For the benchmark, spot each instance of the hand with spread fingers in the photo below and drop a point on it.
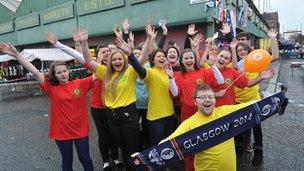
(126, 25)
(80, 34)
(151, 33)
(196, 41)
(50, 37)
(9, 49)
(117, 31)
(123, 45)
(272, 34)
(191, 29)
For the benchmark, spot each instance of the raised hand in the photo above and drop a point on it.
(126, 25)
(208, 42)
(267, 74)
(191, 29)
(131, 36)
(272, 33)
(80, 34)
(9, 49)
(225, 28)
(123, 45)
(196, 41)
(168, 70)
(165, 30)
(117, 31)
(151, 33)
(220, 93)
(233, 43)
(50, 37)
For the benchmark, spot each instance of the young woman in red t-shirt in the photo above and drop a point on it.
(69, 117)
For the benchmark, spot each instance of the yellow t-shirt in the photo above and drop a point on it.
(160, 102)
(206, 65)
(125, 90)
(219, 157)
(249, 93)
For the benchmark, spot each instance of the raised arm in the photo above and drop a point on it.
(11, 50)
(190, 32)
(141, 71)
(162, 40)
(51, 37)
(208, 44)
(149, 45)
(81, 35)
(263, 75)
(233, 45)
(274, 44)
(195, 47)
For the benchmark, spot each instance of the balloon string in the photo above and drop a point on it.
(235, 80)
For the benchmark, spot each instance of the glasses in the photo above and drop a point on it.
(211, 97)
(242, 39)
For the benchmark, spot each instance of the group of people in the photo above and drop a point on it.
(141, 94)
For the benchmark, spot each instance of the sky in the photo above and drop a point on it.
(291, 12)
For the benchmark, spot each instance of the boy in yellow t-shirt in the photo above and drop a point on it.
(221, 156)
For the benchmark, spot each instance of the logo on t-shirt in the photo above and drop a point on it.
(199, 82)
(76, 92)
(228, 81)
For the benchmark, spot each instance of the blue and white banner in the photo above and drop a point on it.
(210, 134)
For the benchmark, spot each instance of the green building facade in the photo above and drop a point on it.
(26, 27)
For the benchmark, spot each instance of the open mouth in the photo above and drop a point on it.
(161, 61)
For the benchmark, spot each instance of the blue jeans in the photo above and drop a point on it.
(82, 147)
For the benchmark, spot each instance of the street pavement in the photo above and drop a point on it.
(24, 122)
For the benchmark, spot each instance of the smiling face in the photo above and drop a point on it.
(112, 47)
(223, 58)
(159, 59)
(118, 62)
(188, 61)
(205, 101)
(61, 74)
(241, 52)
(213, 52)
(104, 53)
(136, 53)
(172, 56)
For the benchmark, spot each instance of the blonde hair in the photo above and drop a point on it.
(109, 83)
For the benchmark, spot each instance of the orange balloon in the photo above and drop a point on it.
(257, 61)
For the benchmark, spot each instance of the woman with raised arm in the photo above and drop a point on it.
(119, 96)
(98, 108)
(68, 112)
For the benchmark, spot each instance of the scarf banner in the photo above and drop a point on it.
(210, 134)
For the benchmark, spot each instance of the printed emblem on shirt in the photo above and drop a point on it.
(199, 82)
(76, 92)
(227, 81)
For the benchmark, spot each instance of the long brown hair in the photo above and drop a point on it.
(110, 83)
(51, 75)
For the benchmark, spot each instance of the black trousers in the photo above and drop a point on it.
(124, 126)
(105, 138)
(144, 132)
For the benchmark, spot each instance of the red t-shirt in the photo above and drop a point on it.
(96, 99)
(230, 74)
(187, 83)
(69, 116)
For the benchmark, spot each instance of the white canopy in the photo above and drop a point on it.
(46, 55)
(6, 57)
(11, 4)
